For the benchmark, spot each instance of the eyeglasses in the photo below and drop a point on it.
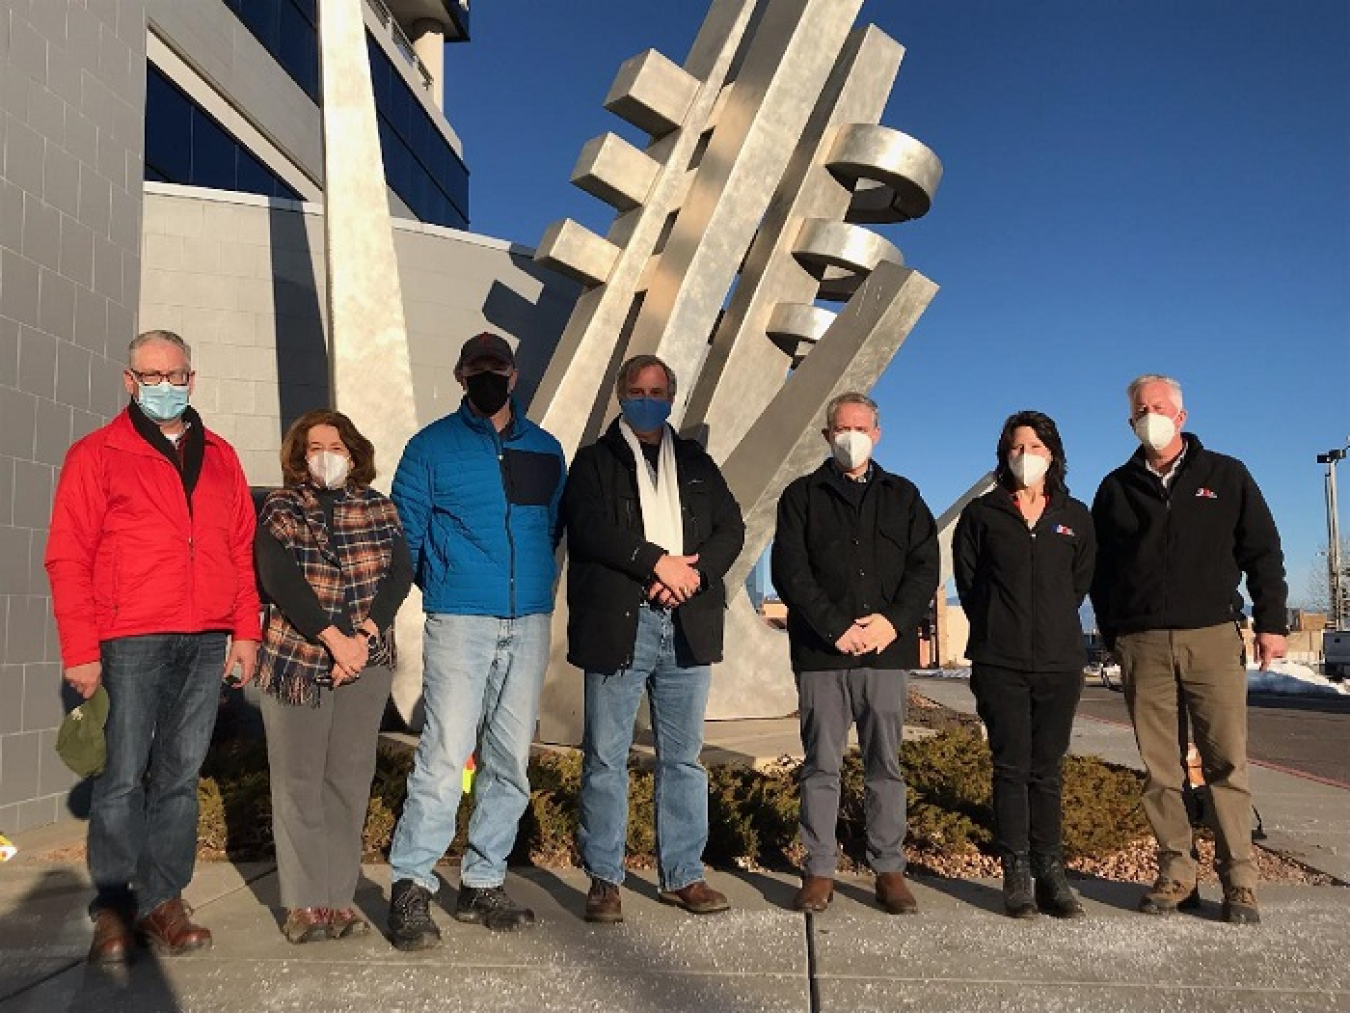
(153, 377)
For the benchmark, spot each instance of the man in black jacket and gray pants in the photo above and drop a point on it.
(651, 531)
(855, 559)
(1178, 526)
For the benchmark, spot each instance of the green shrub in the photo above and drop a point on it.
(752, 814)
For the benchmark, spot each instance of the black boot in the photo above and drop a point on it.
(1054, 896)
(1017, 897)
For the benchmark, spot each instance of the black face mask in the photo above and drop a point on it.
(487, 391)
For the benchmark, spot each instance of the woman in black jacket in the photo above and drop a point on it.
(1023, 556)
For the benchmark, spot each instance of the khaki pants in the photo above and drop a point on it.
(1201, 670)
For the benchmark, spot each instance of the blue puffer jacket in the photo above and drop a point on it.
(480, 513)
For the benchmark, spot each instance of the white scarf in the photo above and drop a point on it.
(659, 500)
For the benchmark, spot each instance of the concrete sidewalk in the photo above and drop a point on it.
(958, 954)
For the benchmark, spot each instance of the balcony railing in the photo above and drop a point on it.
(401, 42)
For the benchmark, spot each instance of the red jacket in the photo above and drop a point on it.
(126, 557)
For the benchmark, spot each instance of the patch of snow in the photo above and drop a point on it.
(1288, 678)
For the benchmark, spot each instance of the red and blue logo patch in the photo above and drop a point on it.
(1203, 493)
(1064, 529)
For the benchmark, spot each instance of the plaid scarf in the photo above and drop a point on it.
(344, 566)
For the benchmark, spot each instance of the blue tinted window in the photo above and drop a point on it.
(419, 164)
(288, 30)
(185, 144)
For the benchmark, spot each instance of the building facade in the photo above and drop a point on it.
(162, 168)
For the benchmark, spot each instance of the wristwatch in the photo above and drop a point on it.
(374, 641)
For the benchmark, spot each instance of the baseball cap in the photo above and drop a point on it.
(486, 346)
(79, 740)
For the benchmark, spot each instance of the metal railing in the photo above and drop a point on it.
(401, 42)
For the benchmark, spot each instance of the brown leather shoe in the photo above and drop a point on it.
(893, 894)
(698, 898)
(346, 921)
(815, 894)
(113, 939)
(306, 925)
(168, 929)
(603, 903)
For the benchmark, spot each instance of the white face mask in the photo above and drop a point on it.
(1155, 431)
(852, 449)
(1028, 469)
(329, 469)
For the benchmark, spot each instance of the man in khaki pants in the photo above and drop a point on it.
(1177, 528)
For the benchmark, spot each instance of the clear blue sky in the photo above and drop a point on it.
(1150, 186)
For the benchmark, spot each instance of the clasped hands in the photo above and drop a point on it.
(350, 653)
(676, 581)
(870, 634)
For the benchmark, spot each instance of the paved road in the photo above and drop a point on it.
(1307, 734)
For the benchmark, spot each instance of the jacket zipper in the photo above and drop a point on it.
(500, 448)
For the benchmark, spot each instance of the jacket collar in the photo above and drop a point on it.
(480, 424)
(1193, 450)
(1000, 498)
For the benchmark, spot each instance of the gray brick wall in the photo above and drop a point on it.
(72, 97)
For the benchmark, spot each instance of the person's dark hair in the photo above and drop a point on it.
(294, 463)
(636, 365)
(1048, 433)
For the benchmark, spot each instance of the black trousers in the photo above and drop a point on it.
(1029, 716)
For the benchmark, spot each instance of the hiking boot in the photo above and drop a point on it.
(1168, 895)
(169, 929)
(113, 941)
(1018, 901)
(410, 924)
(1054, 896)
(893, 894)
(698, 898)
(603, 903)
(305, 925)
(345, 921)
(815, 894)
(1239, 906)
(490, 907)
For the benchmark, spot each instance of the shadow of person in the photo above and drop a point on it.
(777, 892)
(44, 939)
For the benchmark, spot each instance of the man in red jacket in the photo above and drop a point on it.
(150, 558)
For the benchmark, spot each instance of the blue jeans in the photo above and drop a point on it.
(678, 696)
(481, 679)
(163, 694)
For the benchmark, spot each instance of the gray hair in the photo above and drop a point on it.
(851, 397)
(636, 365)
(168, 337)
(1147, 378)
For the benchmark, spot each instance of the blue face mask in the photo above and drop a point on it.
(163, 402)
(645, 414)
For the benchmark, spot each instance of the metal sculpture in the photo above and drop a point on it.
(743, 215)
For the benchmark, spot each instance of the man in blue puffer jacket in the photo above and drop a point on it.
(478, 494)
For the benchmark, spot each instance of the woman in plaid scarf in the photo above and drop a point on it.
(334, 569)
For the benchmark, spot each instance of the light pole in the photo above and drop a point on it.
(1335, 574)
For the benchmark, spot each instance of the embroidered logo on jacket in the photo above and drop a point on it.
(1063, 529)
(1203, 493)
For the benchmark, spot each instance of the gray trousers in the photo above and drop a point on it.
(322, 761)
(829, 703)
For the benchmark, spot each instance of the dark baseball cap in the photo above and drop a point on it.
(486, 346)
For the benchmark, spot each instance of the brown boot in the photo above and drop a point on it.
(306, 925)
(346, 921)
(168, 929)
(893, 894)
(815, 894)
(113, 939)
(603, 903)
(697, 898)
